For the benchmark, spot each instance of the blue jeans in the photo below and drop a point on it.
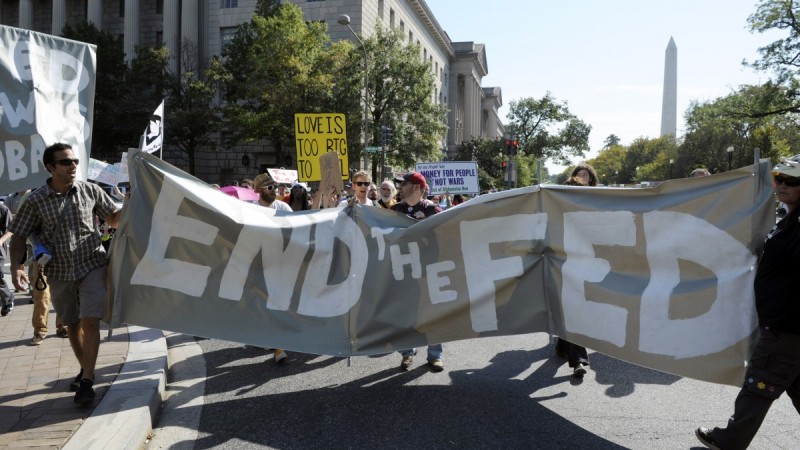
(434, 352)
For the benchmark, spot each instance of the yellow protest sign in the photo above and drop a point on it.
(315, 135)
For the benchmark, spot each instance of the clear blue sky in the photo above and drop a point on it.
(606, 58)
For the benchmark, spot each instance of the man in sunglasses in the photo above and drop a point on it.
(360, 183)
(61, 216)
(774, 366)
(267, 189)
(416, 206)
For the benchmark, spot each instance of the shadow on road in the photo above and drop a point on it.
(374, 405)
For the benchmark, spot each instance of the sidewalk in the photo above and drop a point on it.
(36, 405)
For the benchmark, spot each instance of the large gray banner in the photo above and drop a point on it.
(660, 277)
(46, 96)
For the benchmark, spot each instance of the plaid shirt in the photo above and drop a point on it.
(76, 248)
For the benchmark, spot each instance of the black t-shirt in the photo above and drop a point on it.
(776, 287)
(425, 208)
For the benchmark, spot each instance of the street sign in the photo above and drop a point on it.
(373, 149)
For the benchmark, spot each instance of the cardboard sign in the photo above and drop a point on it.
(329, 165)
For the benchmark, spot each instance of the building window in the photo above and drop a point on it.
(402, 26)
(159, 6)
(410, 37)
(380, 8)
(230, 3)
(159, 38)
(436, 69)
(391, 17)
(122, 8)
(425, 54)
(226, 36)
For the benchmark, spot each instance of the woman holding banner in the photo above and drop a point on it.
(774, 366)
(582, 175)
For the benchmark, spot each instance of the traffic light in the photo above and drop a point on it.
(386, 135)
(514, 146)
(504, 164)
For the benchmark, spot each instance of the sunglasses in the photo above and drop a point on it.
(788, 181)
(361, 183)
(66, 162)
(270, 187)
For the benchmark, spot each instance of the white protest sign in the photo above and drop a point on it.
(153, 137)
(283, 176)
(455, 177)
(95, 168)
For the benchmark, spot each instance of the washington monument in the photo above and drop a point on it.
(669, 104)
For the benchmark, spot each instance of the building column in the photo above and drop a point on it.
(469, 107)
(172, 33)
(26, 14)
(190, 24)
(59, 17)
(94, 13)
(131, 39)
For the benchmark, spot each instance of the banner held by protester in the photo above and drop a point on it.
(660, 277)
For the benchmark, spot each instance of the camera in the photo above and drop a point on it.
(40, 253)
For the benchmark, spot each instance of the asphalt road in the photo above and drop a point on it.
(508, 392)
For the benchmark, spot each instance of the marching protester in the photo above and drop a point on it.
(360, 185)
(299, 198)
(577, 358)
(40, 290)
(61, 216)
(6, 296)
(387, 194)
(267, 189)
(372, 192)
(774, 366)
(416, 206)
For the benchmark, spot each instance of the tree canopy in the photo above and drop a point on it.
(546, 129)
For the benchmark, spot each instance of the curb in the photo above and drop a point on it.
(125, 416)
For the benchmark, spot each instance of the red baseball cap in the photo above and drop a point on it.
(415, 178)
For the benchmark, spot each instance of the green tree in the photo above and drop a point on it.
(547, 130)
(734, 121)
(781, 57)
(401, 86)
(193, 117)
(490, 156)
(611, 141)
(275, 67)
(109, 88)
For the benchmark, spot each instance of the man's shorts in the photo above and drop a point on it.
(78, 299)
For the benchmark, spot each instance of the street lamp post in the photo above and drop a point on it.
(730, 156)
(344, 19)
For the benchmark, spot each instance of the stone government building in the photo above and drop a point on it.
(459, 67)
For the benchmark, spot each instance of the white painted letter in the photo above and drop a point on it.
(318, 298)
(155, 269)
(482, 271)
(582, 230)
(672, 236)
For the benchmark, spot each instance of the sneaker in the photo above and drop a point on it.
(579, 371)
(76, 383)
(37, 338)
(85, 392)
(406, 362)
(279, 356)
(436, 365)
(704, 436)
(62, 333)
(7, 308)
